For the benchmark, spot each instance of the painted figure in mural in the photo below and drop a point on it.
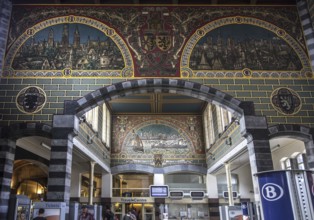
(137, 143)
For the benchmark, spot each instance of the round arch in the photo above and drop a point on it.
(136, 86)
(156, 85)
(26, 129)
(298, 132)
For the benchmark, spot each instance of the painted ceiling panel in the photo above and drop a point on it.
(182, 107)
(130, 107)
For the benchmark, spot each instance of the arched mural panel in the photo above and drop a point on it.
(69, 46)
(243, 47)
(155, 141)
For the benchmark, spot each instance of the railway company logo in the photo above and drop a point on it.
(272, 192)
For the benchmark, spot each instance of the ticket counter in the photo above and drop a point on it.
(143, 206)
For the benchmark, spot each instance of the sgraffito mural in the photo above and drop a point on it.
(235, 47)
(242, 46)
(156, 41)
(157, 141)
(72, 46)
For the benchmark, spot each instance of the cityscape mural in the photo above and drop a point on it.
(72, 46)
(156, 42)
(239, 46)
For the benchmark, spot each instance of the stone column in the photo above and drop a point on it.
(5, 15)
(259, 149)
(60, 166)
(229, 184)
(106, 190)
(306, 22)
(7, 154)
(213, 200)
(91, 183)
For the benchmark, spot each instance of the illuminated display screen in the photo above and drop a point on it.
(159, 191)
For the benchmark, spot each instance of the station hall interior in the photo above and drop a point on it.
(165, 107)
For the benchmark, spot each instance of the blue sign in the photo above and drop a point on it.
(275, 195)
(244, 208)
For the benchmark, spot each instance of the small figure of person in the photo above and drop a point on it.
(129, 216)
(109, 214)
(40, 215)
(85, 215)
(22, 216)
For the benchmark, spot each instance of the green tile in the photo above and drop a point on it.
(44, 81)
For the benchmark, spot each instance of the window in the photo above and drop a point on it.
(131, 185)
(106, 125)
(92, 118)
(216, 120)
(300, 162)
(209, 126)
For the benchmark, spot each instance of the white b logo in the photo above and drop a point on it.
(272, 192)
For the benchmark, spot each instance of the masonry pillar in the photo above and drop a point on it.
(259, 150)
(7, 154)
(106, 189)
(213, 200)
(60, 166)
(5, 16)
(306, 18)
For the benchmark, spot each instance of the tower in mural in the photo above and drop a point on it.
(65, 36)
(76, 38)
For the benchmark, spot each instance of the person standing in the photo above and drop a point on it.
(85, 215)
(40, 216)
(109, 214)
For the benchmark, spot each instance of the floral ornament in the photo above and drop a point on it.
(31, 99)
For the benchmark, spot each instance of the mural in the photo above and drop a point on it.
(235, 47)
(156, 41)
(156, 138)
(73, 46)
(157, 141)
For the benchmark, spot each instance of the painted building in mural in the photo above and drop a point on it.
(102, 102)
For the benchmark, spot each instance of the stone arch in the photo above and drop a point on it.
(175, 86)
(298, 132)
(16, 131)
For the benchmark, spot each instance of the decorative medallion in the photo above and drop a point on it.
(286, 101)
(31, 99)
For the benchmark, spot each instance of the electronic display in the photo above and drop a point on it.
(159, 191)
